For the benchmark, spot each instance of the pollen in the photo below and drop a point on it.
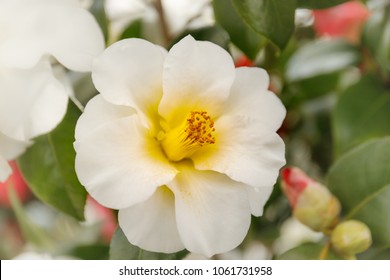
(195, 132)
(200, 128)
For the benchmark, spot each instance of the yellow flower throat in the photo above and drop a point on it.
(196, 131)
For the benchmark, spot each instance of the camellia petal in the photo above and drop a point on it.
(250, 98)
(151, 225)
(48, 27)
(246, 151)
(197, 76)
(97, 113)
(9, 149)
(123, 166)
(257, 199)
(212, 211)
(5, 169)
(32, 101)
(129, 73)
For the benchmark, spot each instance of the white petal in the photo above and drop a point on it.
(258, 198)
(151, 225)
(5, 169)
(246, 151)
(11, 148)
(250, 97)
(212, 211)
(99, 112)
(197, 76)
(129, 73)
(32, 102)
(121, 164)
(48, 27)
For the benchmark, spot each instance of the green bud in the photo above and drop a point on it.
(317, 208)
(351, 237)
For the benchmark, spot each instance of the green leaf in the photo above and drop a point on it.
(321, 57)
(308, 251)
(361, 181)
(99, 12)
(272, 18)
(362, 113)
(91, 252)
(48, 167)
(213, 34)
(376, 36)
(133, 30)
(121, 249)
(319, 4)
(241, 35)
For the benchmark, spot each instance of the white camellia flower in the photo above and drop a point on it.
(182, 143)
(33, 99)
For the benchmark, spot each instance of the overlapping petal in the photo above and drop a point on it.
(32, 101)
(99, 112)
(36, 28)
(9, 149)
(212, 211)
(5, 169)
(197, 76)
(121, 164)
(257, 199)
(151, 225)
(249, 97)
(129, 73)
(245, 150)
(247, 147)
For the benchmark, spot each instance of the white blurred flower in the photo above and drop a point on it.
(179, 15)
(292, 234)
(182, 143)
(33, 99)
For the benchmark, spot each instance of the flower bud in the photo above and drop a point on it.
(312, 203)
(15, 181)
(351, 237)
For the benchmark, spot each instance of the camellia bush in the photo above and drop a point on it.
(219, 129)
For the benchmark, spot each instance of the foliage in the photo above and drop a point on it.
(337, 128)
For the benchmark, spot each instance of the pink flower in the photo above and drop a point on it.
(16, 181)
(345, 20)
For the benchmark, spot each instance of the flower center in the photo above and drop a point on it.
(196, 131)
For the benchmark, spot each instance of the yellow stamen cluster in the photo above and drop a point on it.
(200, 128)
(196, 131)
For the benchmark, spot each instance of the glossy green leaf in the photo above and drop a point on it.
(362, 113)
(48, 167)
(133, 30)
(272, 18)
(241, 35)
(308, 251)
(121, 249)
(319, 4)
(376, 36)
(98, 10)
(90, 252)
(361, 181)
(321, 57)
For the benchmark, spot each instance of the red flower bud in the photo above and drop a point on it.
(15, 181)
(312, 203)
(244, 61)
(294, 182)
(343, 20)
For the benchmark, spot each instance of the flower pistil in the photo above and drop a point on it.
(196, 131)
